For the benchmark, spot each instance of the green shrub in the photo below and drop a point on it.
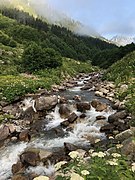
(35, 58)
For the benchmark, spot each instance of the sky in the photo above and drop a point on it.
(107, 17)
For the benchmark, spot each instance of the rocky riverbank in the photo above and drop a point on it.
(105, 119)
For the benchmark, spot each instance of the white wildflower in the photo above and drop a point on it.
(116, 155)
(98, 154)
(119, 146)
(74, 154)
(112, 162)
(85, 172)
(91, 151)
(59, 164)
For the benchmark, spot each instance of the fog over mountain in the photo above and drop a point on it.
(53, 16)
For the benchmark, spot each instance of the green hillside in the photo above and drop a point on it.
(123, 72)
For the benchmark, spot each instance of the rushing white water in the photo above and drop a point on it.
(54, 119)
(9, 156)
(82, 132)
(42, 170)
(77, 88)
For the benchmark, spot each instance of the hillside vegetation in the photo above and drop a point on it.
(123, 72)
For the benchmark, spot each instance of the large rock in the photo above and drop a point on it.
(63, 100)
(104, 91)
(98, 93)
(65, 123)
(68, 147)
(46, 103)
(99, 106)
(128, 147)
(17, 167)
(24, 136)
(20, 177)
(44, 155)
(30, 158)
(108, 128)
(4, 132)
(118, 115)
(29, 114)
(12, 128)
(64, 110)
(83, 106)
(72, 117)
(124, 135)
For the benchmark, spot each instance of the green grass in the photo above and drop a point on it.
(12, 86)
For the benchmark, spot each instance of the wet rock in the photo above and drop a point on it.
(62, 88)
(107, 128)
(77, 98)
(63, 100)
(29, 114)
(14, 139)
(68, 85)
(24, 136)
(104, 91)
(11, 109)
(83, 116)
(101, 107)
(100, 117)
(83, 106)
(4, 132)
(95, 103)
(64, 110)
(98, 93)
(17, 167)
(65, 123)
(20, 177)
(120, 126)
(128, 146)
(90, 138)
(12, 128)
(72, 117)
(124, 135)
(69, 147)
(116, 116)
(30, 158)
(44, 155)
(46, 103)
(100, 123)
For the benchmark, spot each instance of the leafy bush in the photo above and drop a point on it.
(35, 58)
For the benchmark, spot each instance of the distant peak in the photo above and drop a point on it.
(121, 40)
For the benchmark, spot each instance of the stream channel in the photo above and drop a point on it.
(48, 140)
